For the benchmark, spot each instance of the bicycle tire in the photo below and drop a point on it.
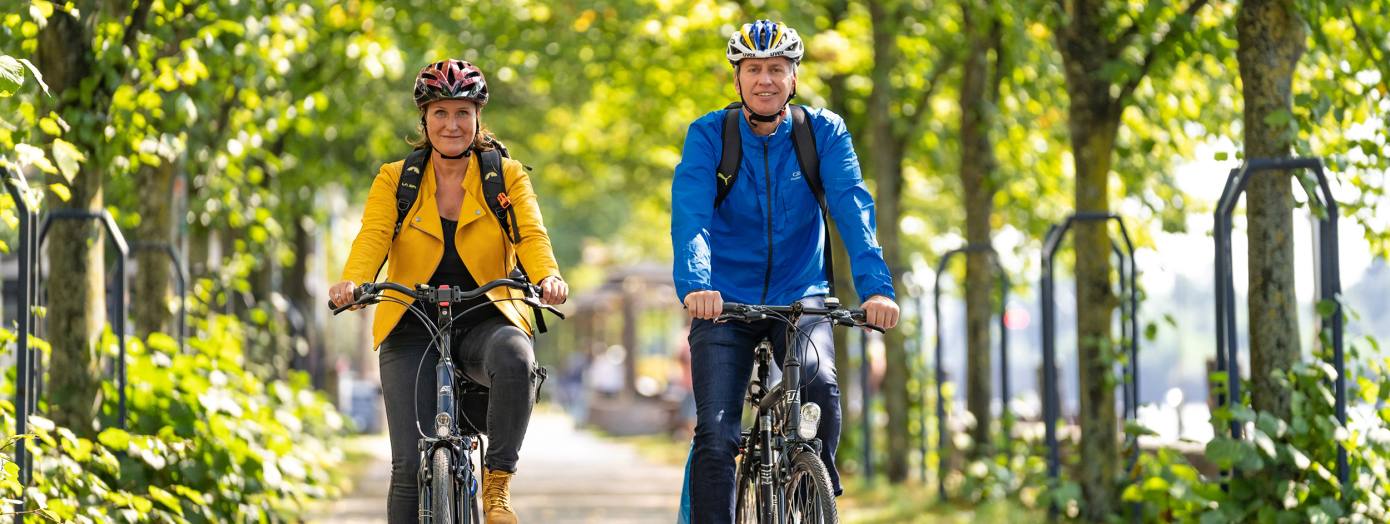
(807, 492)
(746, 503)
(442, 494)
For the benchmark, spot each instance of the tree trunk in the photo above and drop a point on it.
(1271, 39)
(308, 349)
(837, 94)
(150, 297)
(75, 278)
(886, 151)
(976, 170)
(1093, 121)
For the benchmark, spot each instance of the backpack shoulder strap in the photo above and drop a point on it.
(407, 190)
(804, 141)
(731, 154)
(495, 193)
(408, 186)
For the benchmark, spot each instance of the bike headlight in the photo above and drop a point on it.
(810, 420)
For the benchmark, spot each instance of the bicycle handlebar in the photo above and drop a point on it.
(370, 293)
(754, 312)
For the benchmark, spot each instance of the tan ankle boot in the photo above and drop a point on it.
(497, 504)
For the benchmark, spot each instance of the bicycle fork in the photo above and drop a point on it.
(766, 489)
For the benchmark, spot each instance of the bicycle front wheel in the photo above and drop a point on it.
(442, 487)
(810, 499)
(746, 491)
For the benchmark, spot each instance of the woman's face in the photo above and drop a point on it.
(451, 124)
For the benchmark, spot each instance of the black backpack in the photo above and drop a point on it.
(804, 142)
(494, 192)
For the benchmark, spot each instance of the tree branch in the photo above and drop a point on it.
(1152, 55)
(933, 81)
(1369, 44)
(138, 19)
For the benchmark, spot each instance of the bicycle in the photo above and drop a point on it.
(780, 477)
(448, 483)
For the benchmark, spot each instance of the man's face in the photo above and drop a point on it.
(765, 83)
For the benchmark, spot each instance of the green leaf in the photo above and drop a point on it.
(114, 438)
(1221, 155)
(1279, 118)
(1156, 484)
(11, 75)
(167, 499)
(38, 76)
(61, 191)
(1265, 444)
(1135, 428)
(1326, 308)
(68, 158)
(1224, 452)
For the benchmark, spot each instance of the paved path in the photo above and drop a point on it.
(566, 477)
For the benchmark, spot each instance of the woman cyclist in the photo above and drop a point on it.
(450, 237)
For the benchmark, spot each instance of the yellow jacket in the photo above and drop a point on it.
(417, 251)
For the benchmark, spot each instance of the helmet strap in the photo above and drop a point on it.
(753, 115)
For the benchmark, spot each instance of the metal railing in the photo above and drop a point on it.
(940, 373)
(1129, 332)
(118, 316)
(1328, 275)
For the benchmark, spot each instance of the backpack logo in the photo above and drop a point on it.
(491, 175)
(413, 169)
(723, 177)
(796, 175)
(410, 185)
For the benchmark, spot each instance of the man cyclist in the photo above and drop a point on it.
(762, 243)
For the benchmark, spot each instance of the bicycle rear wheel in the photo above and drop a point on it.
(746, 491)
(808, 494)
(442, 493)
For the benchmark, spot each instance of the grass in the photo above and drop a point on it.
(883, 503)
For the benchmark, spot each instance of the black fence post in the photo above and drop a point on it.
(118, 320)
(1329, 276)
(940, 374)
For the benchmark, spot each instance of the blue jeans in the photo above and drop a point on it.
(721, 358)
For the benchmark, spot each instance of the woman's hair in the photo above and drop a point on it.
(482, 139)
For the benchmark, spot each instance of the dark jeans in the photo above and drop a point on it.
(721, 358)
(493, 353)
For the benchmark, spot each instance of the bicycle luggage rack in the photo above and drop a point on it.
(1329, 278)
(118, 318)
(940, 373)
(1129, 332)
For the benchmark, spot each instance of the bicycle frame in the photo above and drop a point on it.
(446, 427)
(766, 406)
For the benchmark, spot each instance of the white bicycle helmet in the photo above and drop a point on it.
(765, 39)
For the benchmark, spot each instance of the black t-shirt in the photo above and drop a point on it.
(452, 272)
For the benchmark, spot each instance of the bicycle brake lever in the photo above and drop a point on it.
(537, 304)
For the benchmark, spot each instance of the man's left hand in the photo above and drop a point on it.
(881, 311)
(556, 291)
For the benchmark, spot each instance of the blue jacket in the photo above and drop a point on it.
(735, 251)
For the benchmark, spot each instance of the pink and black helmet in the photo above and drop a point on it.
(450, 80)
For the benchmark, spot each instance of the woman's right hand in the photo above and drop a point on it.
(340, 294)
